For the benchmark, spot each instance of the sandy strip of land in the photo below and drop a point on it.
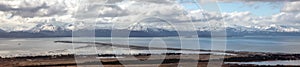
(144, 60)
(170, 60)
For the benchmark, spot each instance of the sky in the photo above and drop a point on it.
(258, 9)
(31, 15)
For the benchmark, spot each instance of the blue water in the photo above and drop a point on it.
(282, 44)
(275, 44)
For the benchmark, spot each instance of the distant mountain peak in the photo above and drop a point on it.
(149, 26)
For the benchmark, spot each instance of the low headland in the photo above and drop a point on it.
(169, 60)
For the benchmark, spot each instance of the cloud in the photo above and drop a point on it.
(156, 1)
(273, 3)
(24, 15)
(24, 11)
(258, 0)
(291, 7)
(37, 8)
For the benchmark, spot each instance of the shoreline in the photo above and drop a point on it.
(162, 60)
(170, 59)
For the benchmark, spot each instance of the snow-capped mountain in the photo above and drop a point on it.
(2, 30)
(51, 27)
(148, 29)
(269, 28)
(158, 27)
(137, 27)
(44, 27)
(277, 28)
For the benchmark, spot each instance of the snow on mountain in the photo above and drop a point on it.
(153, 25)
(272, 28)
(48, 27)
(137, 26)
(44, 27)
(255, 28)
(51, 27)
(1, 31)
(278, 28)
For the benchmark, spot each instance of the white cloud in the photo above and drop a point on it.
(291, 7)
(23, 15)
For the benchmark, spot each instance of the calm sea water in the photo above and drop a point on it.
(32, 46)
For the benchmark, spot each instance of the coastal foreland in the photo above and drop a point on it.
(162, 60)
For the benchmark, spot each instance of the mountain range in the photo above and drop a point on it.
(144, 30)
